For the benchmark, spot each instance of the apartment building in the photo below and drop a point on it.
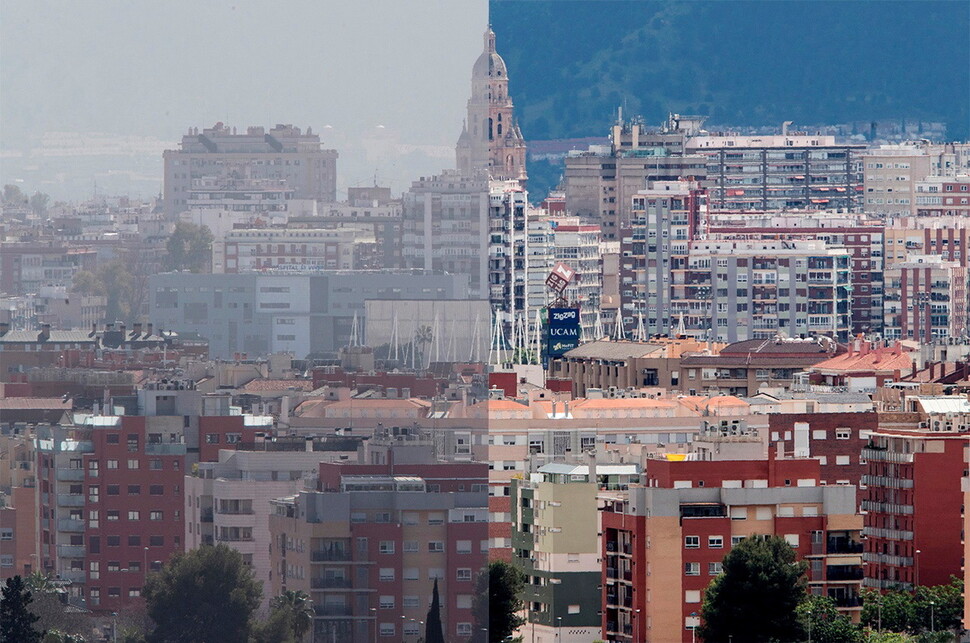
(601, 182)
(789, 170)
(229, 501)
(742, 368)
(739, 290)
(915, 460)
(283, 153)
(28, 266)
(664, 543)
(943, 196)
(664, 219)
(445, 227)
(890, 174)
(297, 250)
(556, 544)
(508, 249)
(861, 236)
(114, 485)
(925, 299)
(369, 544)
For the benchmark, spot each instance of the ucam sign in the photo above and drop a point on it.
(563, 332)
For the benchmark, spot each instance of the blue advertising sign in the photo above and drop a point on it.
(563, 332)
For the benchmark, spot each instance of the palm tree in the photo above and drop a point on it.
(301, 610)
(423, 336)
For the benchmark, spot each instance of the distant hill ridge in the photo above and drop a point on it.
(739, 62)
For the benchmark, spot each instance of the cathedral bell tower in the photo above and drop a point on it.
(491, 141)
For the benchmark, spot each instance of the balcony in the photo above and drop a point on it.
(165, 449)
(73, 575)
(70, 500)
(71, 551)
(332, 610)
(70, 475)
(843, 572)
(844, 547)
(330, 556)
(68, 524)
(330, 583)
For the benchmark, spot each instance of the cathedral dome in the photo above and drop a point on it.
(489, 64)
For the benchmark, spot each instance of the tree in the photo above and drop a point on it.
(826, 623)
(278, 628)
(206, 595)
(50, 606)
(299, 607)
(498, 603)
(16, 619)
(189, 247)
(755, 598)
(13, 195)
(432, 624)
(39, 203)
(927, 608)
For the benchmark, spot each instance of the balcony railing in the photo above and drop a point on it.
(330, 583)
(332, 610)
(332, 556)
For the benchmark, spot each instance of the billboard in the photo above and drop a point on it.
(563, 331)
(560, 277)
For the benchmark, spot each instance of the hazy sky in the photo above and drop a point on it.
(156, 68)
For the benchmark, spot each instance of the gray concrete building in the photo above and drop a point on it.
(261, 313)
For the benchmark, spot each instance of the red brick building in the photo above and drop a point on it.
(114, 507)
(664, 544)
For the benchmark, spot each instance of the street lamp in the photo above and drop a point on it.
(809, 612)
(558, 628)
(932, 617)
(693, 627)
(917, 568)
(636, 624)
(374, 609)
(114, 627)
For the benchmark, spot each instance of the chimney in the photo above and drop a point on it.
(4, 327)
(591, 459)
(285, 410)
(45, 332)
(932, 371)
(864, 347)
(94, 329)
(124, 331)
(149, 332)
(137, 327)
(308, 444)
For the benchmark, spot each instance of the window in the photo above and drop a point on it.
(572, 609)
(464, 629)
(715, 542)
(412, 629)
(842, 459)
(134, 515)
(134, 541)
(113, 541)
(412, 573)
(114, 490)
(156, 541)
(155, 464)
(387, 547)
(843, 434)
(387, 629)
(692, 596)
(114, 515)
(692, 542)
(411, 546)
(387, 602)
(463, 546)
(463, 574)
(736, 539)
(713, 569)
(156, 490)
(112, 464)
(436, 546)
(156, 515)
(692, 569)
(410, 601)
(134, 489)
(132, 464)
(212, 438)
(386, 573)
